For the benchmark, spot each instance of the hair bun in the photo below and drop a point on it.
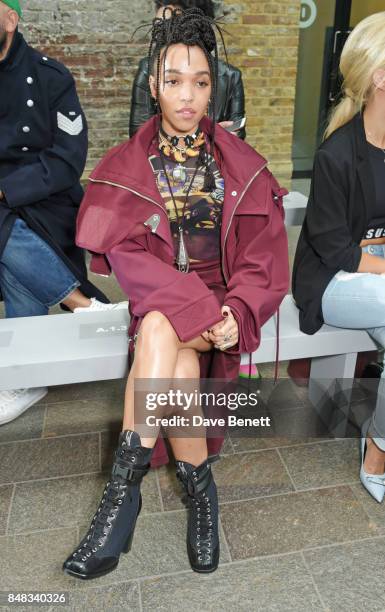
(190, 27)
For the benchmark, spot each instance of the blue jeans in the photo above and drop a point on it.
(32, 275)
(357, 301)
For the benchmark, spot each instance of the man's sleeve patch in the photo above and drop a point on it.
(73, 127)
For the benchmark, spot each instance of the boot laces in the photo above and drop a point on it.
(113, 497)
(101, 524)
(204, 526)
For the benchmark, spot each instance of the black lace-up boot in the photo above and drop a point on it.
(113, 525)
(202, 502)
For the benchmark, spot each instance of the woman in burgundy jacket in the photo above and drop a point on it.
(190, 220)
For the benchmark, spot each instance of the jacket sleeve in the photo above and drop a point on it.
(142, 105)
(61, 165)
(326, 223)
(153, 285)
(237, 101)
(260, 279)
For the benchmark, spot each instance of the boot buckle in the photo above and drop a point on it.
(124, 472)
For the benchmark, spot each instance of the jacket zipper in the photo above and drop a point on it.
(232, 216)
(131, 190)
(163, 210)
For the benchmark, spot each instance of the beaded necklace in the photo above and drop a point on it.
(170, 146)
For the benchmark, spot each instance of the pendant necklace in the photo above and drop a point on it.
(182, 259)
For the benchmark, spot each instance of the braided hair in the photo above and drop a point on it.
(191, 28)
(207, 6)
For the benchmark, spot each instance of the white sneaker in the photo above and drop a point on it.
(97, 306)
(14, 403)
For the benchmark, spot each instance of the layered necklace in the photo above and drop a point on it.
(169, 146)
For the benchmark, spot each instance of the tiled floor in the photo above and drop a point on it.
(298, 532)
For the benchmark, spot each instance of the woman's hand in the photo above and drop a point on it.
(224, 335)
(228, 124)
(365, 243)
(206, 336)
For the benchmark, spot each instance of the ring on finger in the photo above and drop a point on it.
(223, 347)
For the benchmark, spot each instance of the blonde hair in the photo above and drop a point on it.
(362, 55)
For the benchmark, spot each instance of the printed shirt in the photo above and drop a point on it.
(203, 212)
(376, 226)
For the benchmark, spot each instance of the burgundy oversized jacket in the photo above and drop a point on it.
(122, 195)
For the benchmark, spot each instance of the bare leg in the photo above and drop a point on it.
(156, 355)
(192, 449)
(76, 299)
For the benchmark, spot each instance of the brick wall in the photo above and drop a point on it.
(263, 42)
(94, 40)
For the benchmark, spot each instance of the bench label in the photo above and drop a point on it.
(92, 330)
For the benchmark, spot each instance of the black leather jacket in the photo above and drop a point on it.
(230, 100)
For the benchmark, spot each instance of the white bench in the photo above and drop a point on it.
(74, 348)
(295, 208)
(333, 352)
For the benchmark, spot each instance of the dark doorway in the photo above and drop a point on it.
(325, 25)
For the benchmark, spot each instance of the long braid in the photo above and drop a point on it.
(191, 28)
(209, 182)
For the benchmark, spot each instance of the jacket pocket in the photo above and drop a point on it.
(252, 205)
(260, 195)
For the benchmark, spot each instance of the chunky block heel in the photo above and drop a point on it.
(112, 529)
(128, 544)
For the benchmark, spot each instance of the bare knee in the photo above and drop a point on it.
(187, 365)
(155, 327)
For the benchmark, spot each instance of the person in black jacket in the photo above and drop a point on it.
(339, 266)
(230, 96)
(43, 150)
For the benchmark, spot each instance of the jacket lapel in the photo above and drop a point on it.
(130, 169)
(238, 168)
(364, 170)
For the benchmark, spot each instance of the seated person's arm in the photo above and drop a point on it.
(142, 105)
(60, 166)
(153, 285)
(326, 227)
(260, 278)
(237, 102)
(371, 263)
